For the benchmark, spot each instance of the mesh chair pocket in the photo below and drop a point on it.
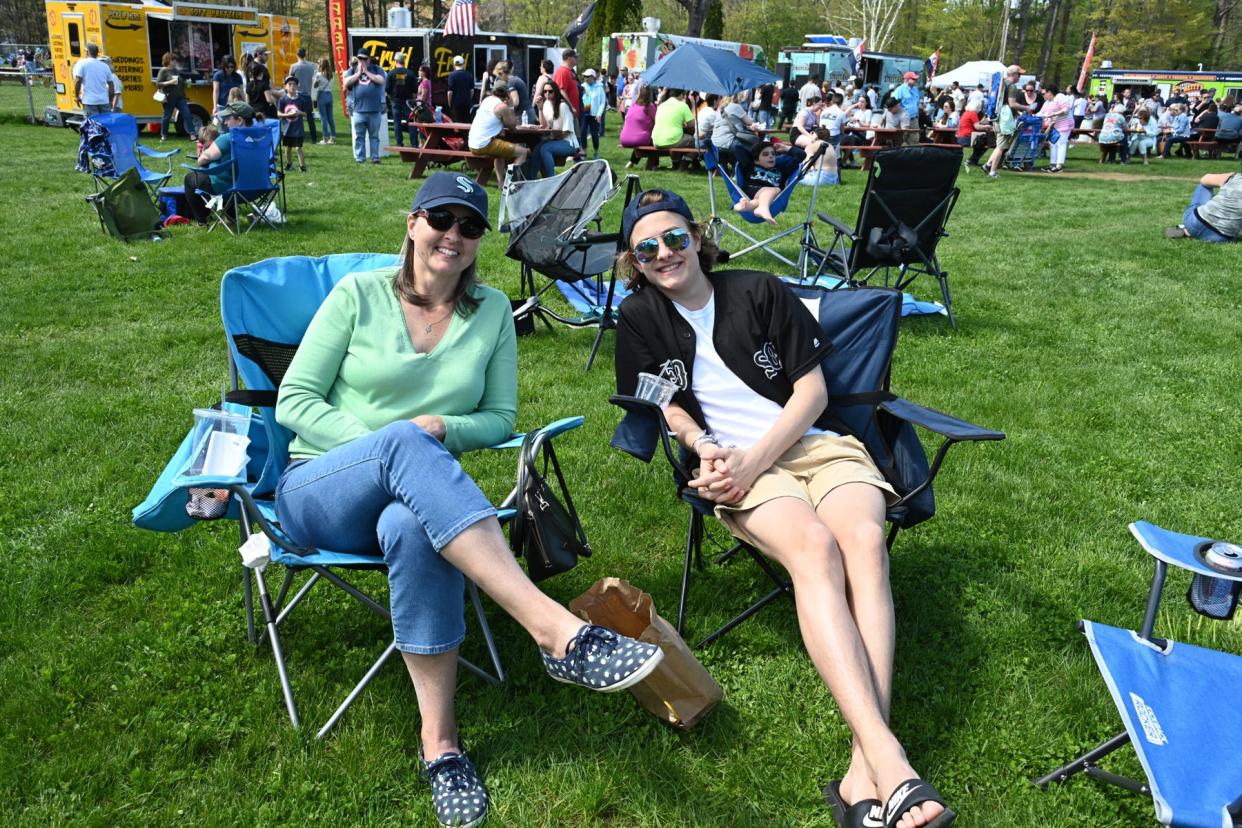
(207, 504)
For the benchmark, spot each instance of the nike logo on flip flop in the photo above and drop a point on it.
(894, 802)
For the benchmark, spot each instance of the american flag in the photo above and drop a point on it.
(460, 20)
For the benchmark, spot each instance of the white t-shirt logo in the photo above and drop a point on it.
(767, 359)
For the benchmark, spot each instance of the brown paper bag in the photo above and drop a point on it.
(679, 691)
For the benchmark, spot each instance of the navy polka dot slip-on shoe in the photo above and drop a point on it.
(600, 659)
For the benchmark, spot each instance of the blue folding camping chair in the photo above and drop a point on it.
(121, 132)
(255, 163)
(1180, 704)
(266, 309)
(718, 224)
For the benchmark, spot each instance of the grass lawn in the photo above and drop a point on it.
(130, 695)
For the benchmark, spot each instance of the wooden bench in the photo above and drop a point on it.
(422, 157)
(654, 154)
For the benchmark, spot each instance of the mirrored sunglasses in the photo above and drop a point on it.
(675, 240)
(440, 220)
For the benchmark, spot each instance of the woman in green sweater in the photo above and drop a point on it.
(400, 371)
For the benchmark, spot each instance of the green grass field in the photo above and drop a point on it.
(1108, 354)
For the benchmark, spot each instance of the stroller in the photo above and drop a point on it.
(1028, 140)
(547, 221)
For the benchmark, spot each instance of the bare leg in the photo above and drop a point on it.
(435, 680)
(763, 203)
(483, 556)
(793, 534)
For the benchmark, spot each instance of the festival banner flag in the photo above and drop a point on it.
(856, 58)
(338, 37)
(461, 19)
(1086, 66)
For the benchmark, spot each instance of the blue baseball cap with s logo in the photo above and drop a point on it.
(445, 188)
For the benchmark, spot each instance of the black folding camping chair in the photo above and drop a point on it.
(549, 224)
(862, 323)
(901, 219)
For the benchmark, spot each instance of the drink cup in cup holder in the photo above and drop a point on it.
(220, 441)
(655, 389)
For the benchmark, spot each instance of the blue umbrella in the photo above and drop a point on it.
(694, 66)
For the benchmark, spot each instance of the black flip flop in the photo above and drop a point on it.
(915, 792)
(858, 815)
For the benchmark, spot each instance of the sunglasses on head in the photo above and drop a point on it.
(646, 250)
(440, 220)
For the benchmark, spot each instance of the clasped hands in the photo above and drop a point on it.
(726, 474)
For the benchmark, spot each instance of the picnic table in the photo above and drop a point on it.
(881, 137)
(446, 143)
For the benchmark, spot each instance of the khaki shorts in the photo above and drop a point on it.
(1003, 141)
(497, 148)
(812, 468)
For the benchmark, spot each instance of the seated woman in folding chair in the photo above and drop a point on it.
(745, 353)
(400, 370)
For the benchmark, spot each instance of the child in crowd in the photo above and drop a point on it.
(207, 136)
(293, 130)
(762, 183)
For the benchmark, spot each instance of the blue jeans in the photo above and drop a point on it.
(550, 152)
(398, 493)
(367, 126)
(327, 115)
(182, 106)
(1196, 228)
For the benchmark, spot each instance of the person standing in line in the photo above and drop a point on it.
(259, 84)
(460, 91)
(367, 86)
(92, 83)
(566, 79)
(322, 86)
(304, 71)
(172, 84)
(399, 87)
(594, 105)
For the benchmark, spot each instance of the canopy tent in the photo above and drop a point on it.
(972, 73)
(706, 69)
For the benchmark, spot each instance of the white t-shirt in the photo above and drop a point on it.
(485, 125)
(94, 74)
(734, 413)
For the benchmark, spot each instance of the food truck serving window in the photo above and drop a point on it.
(195, 47)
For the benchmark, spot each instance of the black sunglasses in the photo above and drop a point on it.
(440, 220)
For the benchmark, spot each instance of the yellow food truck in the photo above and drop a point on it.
(136, 36)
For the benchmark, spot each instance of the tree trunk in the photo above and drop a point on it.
(1050, 25)
(1024, 13)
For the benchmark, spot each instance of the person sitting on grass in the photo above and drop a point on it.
(752, 404)
(1213, 216)
(764, 179)
(493, 116)
(401, 370)
(289, 111)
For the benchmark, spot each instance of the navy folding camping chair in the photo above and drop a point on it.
(123, 152)
(862, 324)
(255, 163)
(901, 219)
(801, 166)
(266, 309)
(1180, 704)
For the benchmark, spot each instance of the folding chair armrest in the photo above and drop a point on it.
(150, 153)
(841, 229)
(946, 425)
(639, 430)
